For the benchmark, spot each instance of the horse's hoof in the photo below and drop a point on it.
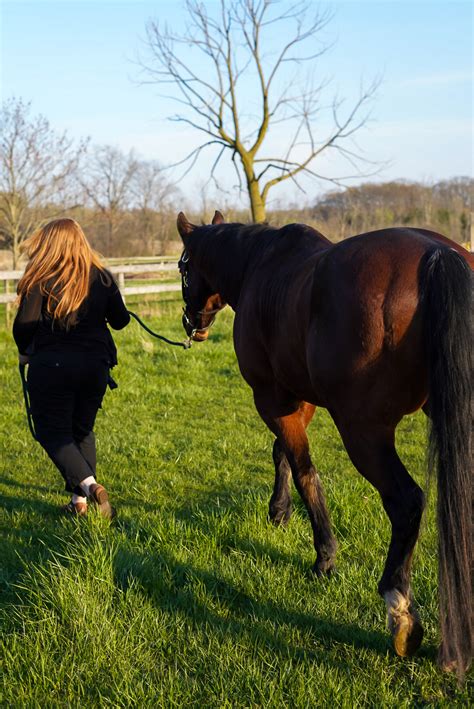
(407, 636)
(279, 521)
(403, 623)
(280, 518)
(323, 569)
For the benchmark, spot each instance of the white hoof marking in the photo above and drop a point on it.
(398, 609)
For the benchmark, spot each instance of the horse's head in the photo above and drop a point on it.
(201, 302)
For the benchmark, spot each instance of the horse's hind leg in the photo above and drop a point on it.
(373, 453)
(280, 507)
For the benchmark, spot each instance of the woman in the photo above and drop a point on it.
(66, 299)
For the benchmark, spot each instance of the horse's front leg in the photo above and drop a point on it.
(280, 507)
(291, 436)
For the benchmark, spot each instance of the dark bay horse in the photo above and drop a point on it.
(372, 328)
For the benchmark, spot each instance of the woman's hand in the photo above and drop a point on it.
(23, 359)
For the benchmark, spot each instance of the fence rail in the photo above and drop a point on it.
(10, 278)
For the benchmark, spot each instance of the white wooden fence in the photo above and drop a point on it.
(10, 279)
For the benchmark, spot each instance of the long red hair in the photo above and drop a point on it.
(59, 260)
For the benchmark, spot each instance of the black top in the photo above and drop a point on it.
(35, 330)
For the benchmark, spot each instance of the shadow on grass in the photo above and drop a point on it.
(11, 503)
(203, 507)
(26, 535)
(12, 482)
(169, 585)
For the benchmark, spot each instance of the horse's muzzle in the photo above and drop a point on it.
(197, 335)
(200, 336)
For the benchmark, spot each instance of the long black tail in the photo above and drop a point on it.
(448, 318)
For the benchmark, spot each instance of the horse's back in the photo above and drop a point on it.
(407, 239)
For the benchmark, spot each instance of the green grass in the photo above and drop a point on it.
(192, 599)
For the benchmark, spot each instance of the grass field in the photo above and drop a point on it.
(192, 599)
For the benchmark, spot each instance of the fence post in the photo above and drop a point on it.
(121, 284)
(7, 305)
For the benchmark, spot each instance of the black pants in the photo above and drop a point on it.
(66, 391)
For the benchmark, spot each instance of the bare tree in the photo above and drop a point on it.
(249, 45)
(37, 166)
(152, 194)
(107, 183)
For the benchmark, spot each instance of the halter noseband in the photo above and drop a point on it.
(184, 270)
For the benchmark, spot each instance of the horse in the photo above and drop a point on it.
(371, 328)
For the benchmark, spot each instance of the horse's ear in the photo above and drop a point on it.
(217, 218)
(184, 226)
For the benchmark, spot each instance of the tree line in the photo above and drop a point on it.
(127, 205)
(443, 206)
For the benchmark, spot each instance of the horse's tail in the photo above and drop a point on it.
(447, 294)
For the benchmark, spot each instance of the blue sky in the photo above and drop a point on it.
(75, 61)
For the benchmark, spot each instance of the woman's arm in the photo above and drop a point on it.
(117, 315)
(27, 319)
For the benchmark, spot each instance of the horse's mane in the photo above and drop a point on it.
(235, 250)
(252, 243)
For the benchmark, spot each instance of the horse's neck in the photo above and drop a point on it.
(226, 256)
(223, 260)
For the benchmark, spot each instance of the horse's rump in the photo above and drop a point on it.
(338, 325)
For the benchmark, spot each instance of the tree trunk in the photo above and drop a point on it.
(257, 205)
(15, 254)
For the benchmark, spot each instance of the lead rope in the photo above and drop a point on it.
(186, 344)
(27, 401)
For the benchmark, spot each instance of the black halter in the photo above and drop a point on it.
(184, 269)
(183, 265)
